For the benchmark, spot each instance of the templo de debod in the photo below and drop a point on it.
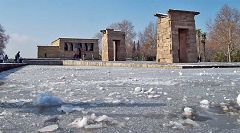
(68, 48)
(176, 42)
(176, 37)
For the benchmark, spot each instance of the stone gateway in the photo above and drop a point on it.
(176, 37)
(113, 45)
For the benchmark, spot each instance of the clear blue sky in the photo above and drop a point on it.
(38, 22)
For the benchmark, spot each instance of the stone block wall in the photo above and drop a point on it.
(164, 41)
(48, 52)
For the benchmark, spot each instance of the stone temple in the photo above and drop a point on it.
(69, 48)
(176, 37)
(113, 45)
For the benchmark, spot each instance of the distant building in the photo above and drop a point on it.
(70, 48)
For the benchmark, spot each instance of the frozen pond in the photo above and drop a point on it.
(133, 100)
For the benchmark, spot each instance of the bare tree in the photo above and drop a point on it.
(148, 41)
(127, 27)
(201, 41)
(224, 33)
(99, 37)
(198, 38)
(3, 39)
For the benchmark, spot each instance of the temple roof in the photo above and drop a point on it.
(162, 15)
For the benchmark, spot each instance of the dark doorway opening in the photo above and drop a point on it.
(116, 44)
(79, 53)
(182, 51)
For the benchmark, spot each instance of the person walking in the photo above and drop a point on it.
(17, 57)
(5, 58)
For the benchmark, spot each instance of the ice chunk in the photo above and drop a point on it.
(181, 124)
(150, 96)
(79, 122)
(187, 111)
(138, 89)
(169, 98)
(189, 122)
(69, 108)
(156, 96)
(19, 102)
(176, 125)
(92, 122)
(113, 93)
(102, 89)
(103, 118)
(94, 126)
(63, 77)
(238, 99)
(204, 103)
(93, 116)
(52, 119)
(149, 91)
(46, 99)
(184, 98)
(180, 73)
(117, 101)
(127, 118)
(50, 128)
(4, 113)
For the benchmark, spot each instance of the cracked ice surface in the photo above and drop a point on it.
(141, 100)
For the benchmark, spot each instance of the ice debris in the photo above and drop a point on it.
(52, 119)
(47, 99)
(180, 73)
(69, 108)
(50, 128)
(138, 89)
(238, 99)
(4, 113)
(93, 122)
(187, 112)
(181, 124)
(204, 103)
(19, 102)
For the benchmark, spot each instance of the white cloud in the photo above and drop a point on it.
(20, 39)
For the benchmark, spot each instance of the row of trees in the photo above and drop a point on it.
(144, 48)
(223, 40)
